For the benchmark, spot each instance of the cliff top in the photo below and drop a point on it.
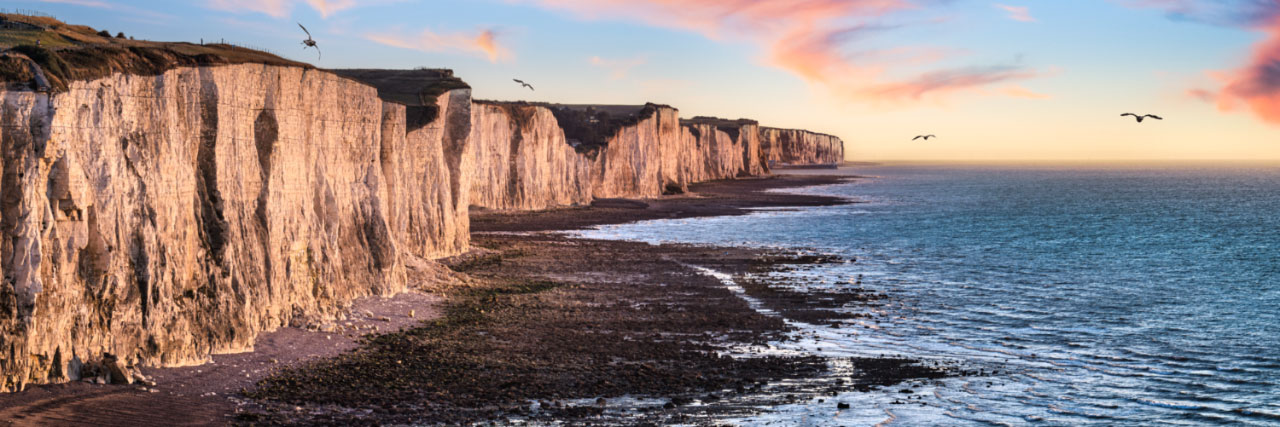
(731, 127)
(587, 127)
(415, 88)
(76, 52)
(801, 130)
(718, 122)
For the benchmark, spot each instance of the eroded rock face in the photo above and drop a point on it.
(659, 155)
(519, 160)
(427, 185)
(158, 219)
(799, 147)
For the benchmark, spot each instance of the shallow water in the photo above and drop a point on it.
(1101, 295)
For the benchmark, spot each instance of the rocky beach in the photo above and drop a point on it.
(534, 326)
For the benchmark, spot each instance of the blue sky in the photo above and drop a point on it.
(1003, 80)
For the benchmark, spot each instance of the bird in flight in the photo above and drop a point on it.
(309, 42)
(1142, 117)
(522, 83)
(926, 137)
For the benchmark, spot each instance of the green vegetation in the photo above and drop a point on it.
(25, 37)
(68, 53)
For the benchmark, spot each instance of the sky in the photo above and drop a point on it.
(1004, 80)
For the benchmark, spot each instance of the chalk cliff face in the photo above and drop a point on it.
(427, 193)
(158, 219)
(519, 160)
(799, 147)
(632, 163)
(155, 220)
(719, 153)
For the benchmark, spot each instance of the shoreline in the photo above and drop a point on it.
(604, 335)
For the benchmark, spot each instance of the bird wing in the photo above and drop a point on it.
(1128, 114)
(528, 86)
(917, 137)
(517, 81)
(304, 29)
(931, 136)
(1155, 117)
(318, 54)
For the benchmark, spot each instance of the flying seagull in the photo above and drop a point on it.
(926, 137)
(522, 83)
(309, 42)
(1141, 117)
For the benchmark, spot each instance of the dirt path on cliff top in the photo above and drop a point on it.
(209, 394)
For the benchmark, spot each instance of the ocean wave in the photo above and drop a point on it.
(1257, 413)
(1169, 404)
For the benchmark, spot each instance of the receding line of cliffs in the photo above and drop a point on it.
(157, 218)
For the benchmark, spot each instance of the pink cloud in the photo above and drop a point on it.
(618, 68)
(276, 8)
(1018, 13)
(329, 7)
(1258, 83)
(1202, 94)
(808, 38)
(283, 8)
(1255, 85)
(85, 3)
(484, 42)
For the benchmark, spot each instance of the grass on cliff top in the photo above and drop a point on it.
(416, 87)
(68, 53)
(588, 127)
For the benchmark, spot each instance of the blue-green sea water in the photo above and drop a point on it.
(1101, 295)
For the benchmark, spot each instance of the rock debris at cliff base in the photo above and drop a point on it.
(558, 334)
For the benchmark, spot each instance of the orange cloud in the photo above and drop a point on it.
(1018, 13)
(485, 42)
(1022, 92)
(1257, 85)
(809, 38)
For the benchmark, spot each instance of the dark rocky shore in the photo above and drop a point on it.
(549, 328)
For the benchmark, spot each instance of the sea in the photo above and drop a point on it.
(1086, 295)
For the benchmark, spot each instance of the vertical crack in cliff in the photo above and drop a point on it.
(521, 119)
(457, 129)
(94, 259)
(265, 135)
(214, 225)
(141, 276)
(15, 141)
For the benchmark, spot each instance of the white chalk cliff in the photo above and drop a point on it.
(158, 219)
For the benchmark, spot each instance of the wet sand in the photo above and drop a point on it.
(544, 328)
